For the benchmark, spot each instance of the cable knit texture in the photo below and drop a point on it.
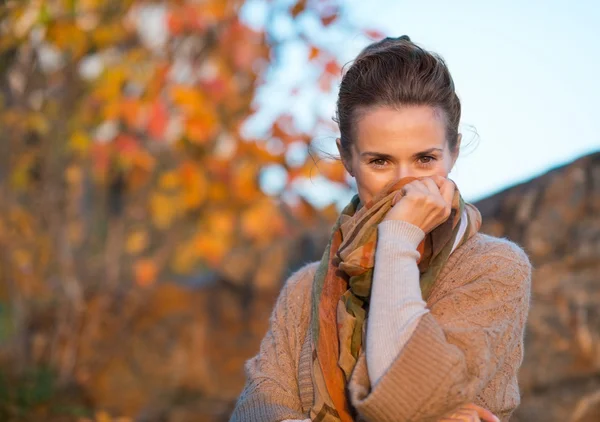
(467, 348)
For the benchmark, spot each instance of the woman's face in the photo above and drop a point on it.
(394, 143)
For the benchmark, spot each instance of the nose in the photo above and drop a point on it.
(403, 172)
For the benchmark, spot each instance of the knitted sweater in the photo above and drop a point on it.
(467, 348)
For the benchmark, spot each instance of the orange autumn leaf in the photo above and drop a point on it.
(374, 34)
(218, 192)
(201, 129)
(157, 120)
(298, 8)
(194, 184)
(214, 10)
(314, 53)
(212, 248)
(175, 22)
(188, 99)
(262, 221)
(130, 112)
(332, 67)
(145, 272)
(332, 170)
(244, 183)
(328, 20)
(219, 222)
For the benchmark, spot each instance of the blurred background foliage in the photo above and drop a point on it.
(124, 168)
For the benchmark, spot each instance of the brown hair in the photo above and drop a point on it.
(395, 72)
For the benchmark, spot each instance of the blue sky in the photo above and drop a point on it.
(527, 74)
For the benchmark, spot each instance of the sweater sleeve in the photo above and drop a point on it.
(271, 392)
(396, 303)
(457, 347)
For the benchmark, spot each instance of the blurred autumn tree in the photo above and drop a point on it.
(122, 155)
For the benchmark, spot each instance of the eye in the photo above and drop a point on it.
(378, 162)
(426, 160)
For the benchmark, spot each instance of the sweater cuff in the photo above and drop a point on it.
(400, 230)
(427, 368)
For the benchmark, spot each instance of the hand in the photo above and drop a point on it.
(472, 413)
(426, 203)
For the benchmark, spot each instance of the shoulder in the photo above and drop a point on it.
(485, 263)
(296, 289)
(491, 252)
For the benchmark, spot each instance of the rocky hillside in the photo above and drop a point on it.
(556, 218)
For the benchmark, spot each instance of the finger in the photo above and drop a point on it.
(468, 415)
(439, 180)
(416, 186)
(487, 415)
(431, 186)
(463, 414)
(447, 191)
(483, 413)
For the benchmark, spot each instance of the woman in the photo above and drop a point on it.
(412, 314)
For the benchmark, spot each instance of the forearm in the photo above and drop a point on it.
(396, 304)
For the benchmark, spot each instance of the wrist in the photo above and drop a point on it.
(401, 230)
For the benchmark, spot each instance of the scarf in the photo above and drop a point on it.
(342, 285)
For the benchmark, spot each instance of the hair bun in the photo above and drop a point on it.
(400, 38)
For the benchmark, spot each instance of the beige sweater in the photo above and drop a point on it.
(468, 348)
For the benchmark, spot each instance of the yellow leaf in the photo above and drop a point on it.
(164, 209)
(110, 86)
(79, 142)
(169, 180)
(20, 176)
(108, 34)
(38, 122)
(185, 258)
(68, 36)
(136, 242)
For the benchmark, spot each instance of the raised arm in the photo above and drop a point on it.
(271, 391)
(456, 348)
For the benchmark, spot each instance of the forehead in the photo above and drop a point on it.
(385, 129)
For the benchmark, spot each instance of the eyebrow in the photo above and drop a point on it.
(387, 156)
